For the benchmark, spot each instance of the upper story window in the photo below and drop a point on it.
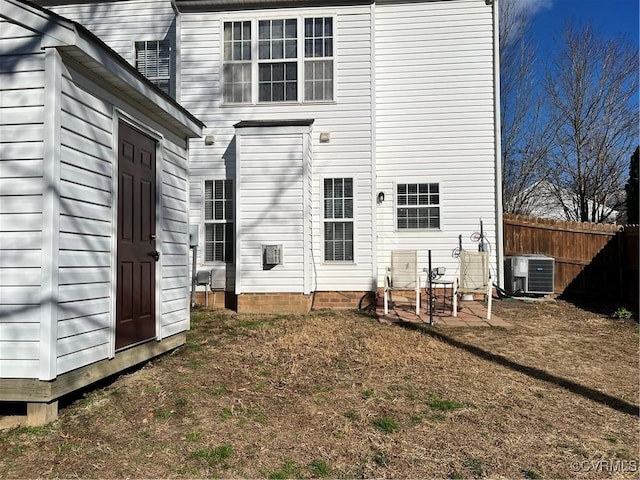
(237, 62)
(278, 60)
(153, 60)
(318, 59)
(417, 205)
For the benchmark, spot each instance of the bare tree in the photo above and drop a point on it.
(526, 134)
(592, 84)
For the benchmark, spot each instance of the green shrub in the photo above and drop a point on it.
(622, 313)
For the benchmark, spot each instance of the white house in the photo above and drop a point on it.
(336, 132)
(545, 200)
(94, 215)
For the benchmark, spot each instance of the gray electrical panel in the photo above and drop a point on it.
(194, 235)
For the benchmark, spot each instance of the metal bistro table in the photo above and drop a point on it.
(445, 285)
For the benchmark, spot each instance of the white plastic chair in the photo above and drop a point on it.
(474, 278)
(402, 275)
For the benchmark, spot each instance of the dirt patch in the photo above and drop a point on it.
(341, 395)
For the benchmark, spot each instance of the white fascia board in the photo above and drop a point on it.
(307, 237)
(51, 217)
(37, 20)
(108, 60)
(270, 131)
(238, 218)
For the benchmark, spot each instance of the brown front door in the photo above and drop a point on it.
(135, 298)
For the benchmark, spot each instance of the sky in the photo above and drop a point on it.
(611, 17)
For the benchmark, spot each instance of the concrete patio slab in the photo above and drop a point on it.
(470, 314)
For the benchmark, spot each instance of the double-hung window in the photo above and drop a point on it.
(237, 62)
(318, 59)
(338, 219)
(218, 221)
(278, 60)
(153, 60)
(417, 205)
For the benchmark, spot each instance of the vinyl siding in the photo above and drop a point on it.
(437, 127)
(440, 128)
(175, 240)
(85, 316)
(79, 111)
(86, 237)
(120, 24)
(21, 186)
(348, 119)
(271, 211)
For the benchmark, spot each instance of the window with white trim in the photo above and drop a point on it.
(318, 59)
(153, 60)
(278, 60)
(237, 62)
(417, 206)
(338, 219)
(291, 59)
(218, 221)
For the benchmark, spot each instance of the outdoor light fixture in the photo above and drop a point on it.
(380, 197)
(209, 140)
(325, 137)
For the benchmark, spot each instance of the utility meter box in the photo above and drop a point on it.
(194, 235)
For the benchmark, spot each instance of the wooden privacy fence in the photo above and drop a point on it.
(590, 259)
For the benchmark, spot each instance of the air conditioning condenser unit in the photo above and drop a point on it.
(529, 274)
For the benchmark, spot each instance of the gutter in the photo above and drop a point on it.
(216, 5)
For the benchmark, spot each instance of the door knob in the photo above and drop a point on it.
(155, 254)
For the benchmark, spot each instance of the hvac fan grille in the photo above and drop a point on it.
(540, 275)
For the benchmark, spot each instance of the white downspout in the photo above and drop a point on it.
(177, 53)
(374, 169)
(498, 146)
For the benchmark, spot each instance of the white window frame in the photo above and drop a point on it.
(396, 205)
(300, 58)
(320, 59)
(170, 77)
(280, 61)
(229, 243)
(352, 220)
(235, 62)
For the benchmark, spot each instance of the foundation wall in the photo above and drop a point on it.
(337, 300)
(274, 303)
(299, 303)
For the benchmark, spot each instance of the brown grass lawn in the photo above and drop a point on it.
(337, 394)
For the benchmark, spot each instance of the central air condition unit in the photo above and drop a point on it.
(529, 274)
